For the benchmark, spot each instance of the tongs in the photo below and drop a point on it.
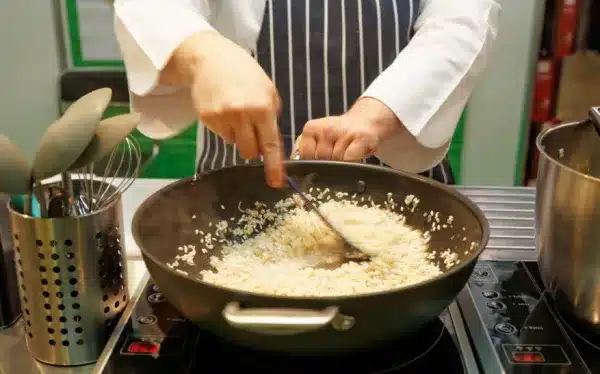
(351, 252)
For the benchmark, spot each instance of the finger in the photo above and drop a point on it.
(277, 102)
(271, 147)
(217, 126)
(357, 150)
(324, 149)
(246, 142)
(229, 121)
(227, 134)
(340, 147)
(307, 147)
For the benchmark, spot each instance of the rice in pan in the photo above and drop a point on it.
(281, 259)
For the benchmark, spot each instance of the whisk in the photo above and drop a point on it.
(116, 173)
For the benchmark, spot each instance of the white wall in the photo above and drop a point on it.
(499, 107)
(29, 71)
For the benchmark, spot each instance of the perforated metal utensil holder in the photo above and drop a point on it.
(72, 276)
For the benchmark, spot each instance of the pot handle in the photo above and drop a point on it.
(285, 321)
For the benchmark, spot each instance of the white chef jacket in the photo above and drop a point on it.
(427, 86)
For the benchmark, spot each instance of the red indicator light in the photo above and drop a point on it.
(142, 347)
(528, 357)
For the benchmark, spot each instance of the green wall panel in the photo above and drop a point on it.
(177, 156)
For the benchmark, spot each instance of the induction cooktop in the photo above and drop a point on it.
(504, 322)
(155, 338)
(516, 327)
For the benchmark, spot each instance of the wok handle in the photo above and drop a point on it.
(285, 321)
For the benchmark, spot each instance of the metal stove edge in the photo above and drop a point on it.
(118, 331)
(502, 250)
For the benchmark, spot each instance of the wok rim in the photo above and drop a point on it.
(477, 212)
(539, 142)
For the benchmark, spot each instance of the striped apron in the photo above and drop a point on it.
(322, 55)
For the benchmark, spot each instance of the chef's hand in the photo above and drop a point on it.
(233, 97)
(352, 136)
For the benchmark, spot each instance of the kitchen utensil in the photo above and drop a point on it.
(66, 139)
(568, 217)
(67, 182)
(82, 205)
(110, 133)
(40, 197)
(29, 204)
(351, 253)
(59, 204)
(16, 172)
(17, 175)
(318, 325)
(121, 169)
(594, 114)
(72, 281)
(10, 306)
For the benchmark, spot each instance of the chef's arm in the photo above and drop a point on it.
(148, 33)
(427, 86)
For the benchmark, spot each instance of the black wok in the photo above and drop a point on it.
(323, 325)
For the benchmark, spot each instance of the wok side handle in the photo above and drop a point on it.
(285, 321)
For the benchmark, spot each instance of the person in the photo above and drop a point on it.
(379, 81)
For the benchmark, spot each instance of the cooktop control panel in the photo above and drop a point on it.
(513, 327)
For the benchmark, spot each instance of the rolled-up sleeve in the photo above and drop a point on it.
(429, 83)
(148, 32)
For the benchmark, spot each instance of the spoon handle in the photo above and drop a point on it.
(41, 198)
(68, 186)
(309, 203)
(27, 204)
(352, 253)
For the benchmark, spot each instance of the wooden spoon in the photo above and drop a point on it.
(14, 168)
(66, 139)
(110, 133)
(351, 253)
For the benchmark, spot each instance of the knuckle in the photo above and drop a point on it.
(270, 146)
(222, 110)
(230, 108)
(261, 106)
(206, 114)
(248, 152)
(329, 132)
(362, 133)
(212, 113)
(228, 137)
(310, 128)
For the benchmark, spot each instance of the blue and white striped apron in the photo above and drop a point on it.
(321, 55)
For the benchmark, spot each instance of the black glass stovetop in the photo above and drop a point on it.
(157, 339)
(514, 326)
(518, 327)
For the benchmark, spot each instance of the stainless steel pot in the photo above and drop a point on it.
(568, 217)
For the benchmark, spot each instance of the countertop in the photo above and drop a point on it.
(132, 198)
(15, 357)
